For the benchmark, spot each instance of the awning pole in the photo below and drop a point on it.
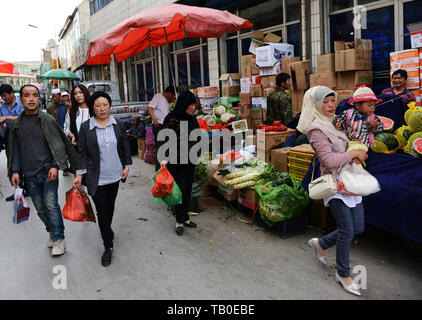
(170, 62)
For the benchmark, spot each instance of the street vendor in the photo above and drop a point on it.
(399, 79)
(279, 103)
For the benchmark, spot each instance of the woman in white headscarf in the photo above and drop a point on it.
(330, 146)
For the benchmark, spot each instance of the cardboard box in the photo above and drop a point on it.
(271, 53)
(256, 90)
(413, 78)
(268, 82)
(304, 148)
(268, 91)
(270, 71)
(248, 197)
(256, 41)
(263, 155)
(248, 60)
(226, 191)
(271, 37)
(365, 44)
(244, 109)
(141, 147)
(344, 94)
(339, 63)
(245, 85)
(279, 159)
(230, 79)
(248, 120)
(328, 79)
(326, 63)
(257, 114)
(259, 102)
(230, 91)
(207, 92)
(338, 45)
(297, 101)
(353, 79)
(255, 123)
(357, 59)
(406, 59)
(246, 72)
(418, 95)
(285, 64)
(300, 72)
(245, 98)
(272, 140)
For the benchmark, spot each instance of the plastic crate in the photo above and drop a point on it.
(297, 173)
(301, 155)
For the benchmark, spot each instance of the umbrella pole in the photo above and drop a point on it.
(170, 62)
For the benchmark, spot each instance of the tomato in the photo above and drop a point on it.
(269, 128)
(262, 126)
(277, 123)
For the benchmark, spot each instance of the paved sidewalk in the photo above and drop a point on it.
(224, 258)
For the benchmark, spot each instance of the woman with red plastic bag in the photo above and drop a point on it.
(105, 157)
(182, 173)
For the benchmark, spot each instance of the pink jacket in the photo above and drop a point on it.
(329, 149)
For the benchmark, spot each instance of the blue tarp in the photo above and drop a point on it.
(397, 208)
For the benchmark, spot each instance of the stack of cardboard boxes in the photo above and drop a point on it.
(300, 71)
(353, 65)
(411, 61)
(346, 69)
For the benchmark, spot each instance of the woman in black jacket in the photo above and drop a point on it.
(104, 155)
(182, 173)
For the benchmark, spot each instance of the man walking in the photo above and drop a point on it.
(136, 132)
(158, 109)
(9, 111)
(58, 110)
(38, 147)
(279, 104)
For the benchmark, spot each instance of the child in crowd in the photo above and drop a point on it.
(360, 123)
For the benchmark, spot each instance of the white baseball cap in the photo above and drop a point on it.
(65, 93)
(54, 91)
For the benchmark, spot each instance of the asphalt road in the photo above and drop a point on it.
(224, 258)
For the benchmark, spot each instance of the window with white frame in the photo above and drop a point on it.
(189, 63)
(281, 17)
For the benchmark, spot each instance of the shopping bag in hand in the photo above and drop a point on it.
(74, 208)
(163, 183)
(357, 180)
(20, 207)
(172, 199)
(88, 206)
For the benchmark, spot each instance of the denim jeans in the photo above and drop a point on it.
(350, 222)
(45, 199)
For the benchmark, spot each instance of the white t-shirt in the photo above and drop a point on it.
(160, 107)
(83, 115)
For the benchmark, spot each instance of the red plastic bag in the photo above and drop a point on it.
(75, 208)
(163, 185)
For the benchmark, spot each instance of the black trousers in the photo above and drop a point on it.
(104, 199)
(183, 175)
(155, 132)
(133, 145)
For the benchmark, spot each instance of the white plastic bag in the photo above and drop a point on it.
(20, 207)
(357, 180)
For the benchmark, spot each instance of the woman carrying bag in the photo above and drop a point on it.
(330, 146)
(104, 156)
(182, 173)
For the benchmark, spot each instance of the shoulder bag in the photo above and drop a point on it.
(322, 187)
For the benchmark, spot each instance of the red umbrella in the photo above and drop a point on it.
(6, 67)
(159, 26)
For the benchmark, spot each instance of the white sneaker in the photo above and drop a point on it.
(313, 244)
(59, 248)
(353, 288)
(50, 241)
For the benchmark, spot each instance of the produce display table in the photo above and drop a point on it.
(397, 208)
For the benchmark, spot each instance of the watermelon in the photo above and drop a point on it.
(388, 124)
(417, 148)
(386, 143)
(409, 145)
(409, 113)
(403, 134)
(415, 121)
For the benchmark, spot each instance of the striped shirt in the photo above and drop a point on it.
(406, 95)
(359, 127)
(110, 165)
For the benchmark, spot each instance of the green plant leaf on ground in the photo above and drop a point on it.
(132, 183)
(143, 219)
(210, 240)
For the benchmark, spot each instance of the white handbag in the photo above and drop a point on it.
(322, 187)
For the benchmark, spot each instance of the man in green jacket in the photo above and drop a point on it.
(279, 103)
(38, 147)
